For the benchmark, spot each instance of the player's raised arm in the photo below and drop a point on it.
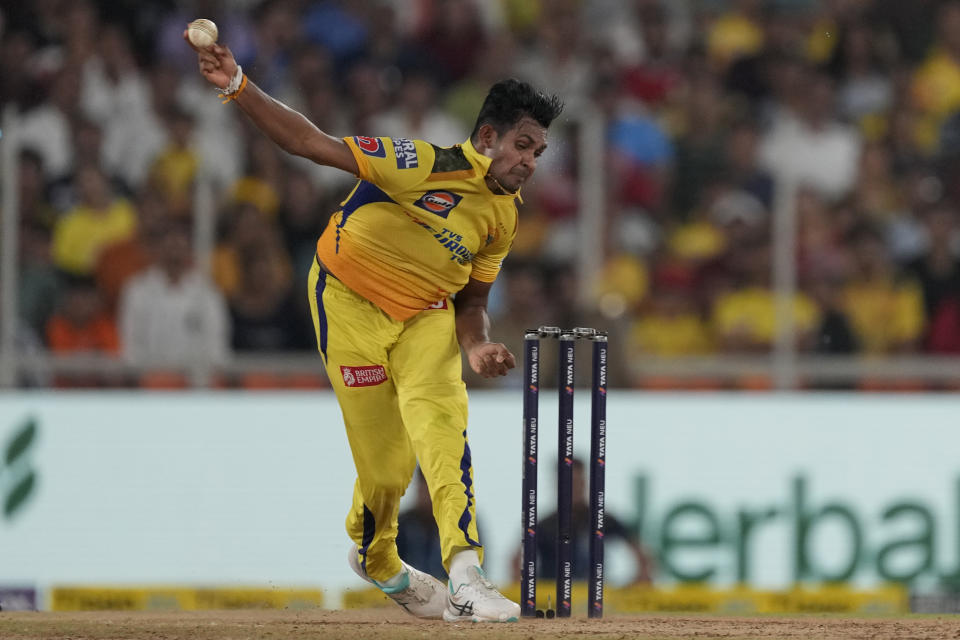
(290, 129)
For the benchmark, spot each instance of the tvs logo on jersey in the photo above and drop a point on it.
(363, 376)
(371, 146)
(438, 202)
(406, 152)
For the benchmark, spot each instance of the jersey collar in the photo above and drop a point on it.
(483, 162)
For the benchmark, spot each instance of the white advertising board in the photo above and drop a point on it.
(252, 489)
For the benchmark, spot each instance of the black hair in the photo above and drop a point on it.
(510, 100)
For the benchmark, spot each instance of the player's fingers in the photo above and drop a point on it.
(222, 52)
(483, 367)
(478, 366)
(497, 365)
(502, 361)
(186, 38)
(489, 367)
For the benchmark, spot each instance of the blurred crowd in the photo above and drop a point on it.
(719, 116)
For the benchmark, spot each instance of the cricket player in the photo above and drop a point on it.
(423, 224)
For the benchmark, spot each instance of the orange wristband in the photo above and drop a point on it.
(235, 94)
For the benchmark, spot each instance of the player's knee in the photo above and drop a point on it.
(386, 487)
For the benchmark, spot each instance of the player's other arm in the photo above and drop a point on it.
(489, 359)
(292, 132)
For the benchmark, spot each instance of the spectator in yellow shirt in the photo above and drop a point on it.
(745, 318)
(886, 310)
(670, 325)
(98, 220)
(735, 34)
(174, 170)
(936, 83)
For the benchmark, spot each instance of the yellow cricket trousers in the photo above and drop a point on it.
(401, 391)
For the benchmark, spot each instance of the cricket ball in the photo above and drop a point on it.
(202, 33)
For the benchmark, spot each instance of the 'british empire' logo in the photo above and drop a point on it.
(363, 376)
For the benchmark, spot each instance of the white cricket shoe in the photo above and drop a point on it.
(477, 600)
(419, 593)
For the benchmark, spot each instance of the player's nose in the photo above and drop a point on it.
(530, 163)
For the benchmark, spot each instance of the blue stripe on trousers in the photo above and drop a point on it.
(465, 517)
(369, 529)
(321, 312)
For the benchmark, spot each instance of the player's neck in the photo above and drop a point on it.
(494, 185)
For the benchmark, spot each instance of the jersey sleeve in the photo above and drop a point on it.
(487, 262)
(394, 165)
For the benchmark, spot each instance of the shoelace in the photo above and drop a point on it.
(404, 596)
(489, 585)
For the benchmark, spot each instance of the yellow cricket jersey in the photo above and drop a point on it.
(80, 236)
(420, 222)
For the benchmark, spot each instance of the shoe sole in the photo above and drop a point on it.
(456, 618)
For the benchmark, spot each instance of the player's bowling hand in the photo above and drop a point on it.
(216, 62)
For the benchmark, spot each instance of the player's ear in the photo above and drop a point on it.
(488, 138)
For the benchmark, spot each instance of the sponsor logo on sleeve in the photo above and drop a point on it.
(367, 376)
(371, 146)
(439, 304)
(438, 202)
(406, 152)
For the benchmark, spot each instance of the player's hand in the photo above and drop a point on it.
(216, 63)
(491, 359)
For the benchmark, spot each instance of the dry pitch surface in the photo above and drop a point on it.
(390, 624)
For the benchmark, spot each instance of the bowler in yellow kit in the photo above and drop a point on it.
(398, 287)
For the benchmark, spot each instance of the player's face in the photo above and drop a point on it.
(515, 154)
